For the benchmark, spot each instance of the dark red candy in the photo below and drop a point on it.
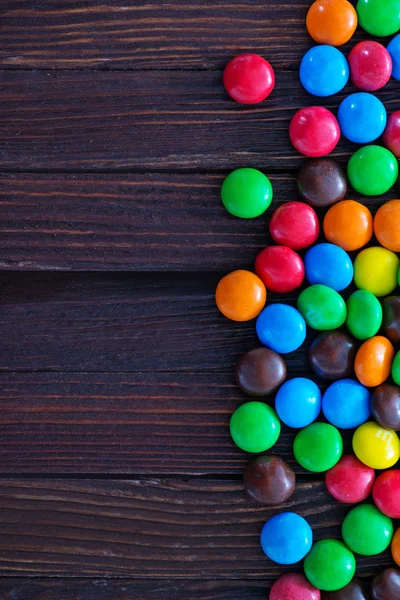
(295, 225)
(249, 78)
(386, 586)
(280, 268)
(321, 182)
(385, 406)
(391, 318)
(386, 493)
(269, 480)
(391, 135)
(260, 372)
(293, 586)
(350, 481)
(355, 590)
(314, 131)
(332, 355)
(370, 65)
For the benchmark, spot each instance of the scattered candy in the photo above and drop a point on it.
(330, 265)
(350, 481)
(364, 314)
(391, 135)
(386, 493)
(386, 586)
(394, 51)
(346, 404)
(396, 368)
(293, 586)
(379, 17)
(372, 170)
(322, 307)
(269, 480)
(280, 269)
(391, 318)
(286, 538)
(387, 225)
(294, 225)
(281, 328)
(348, 224)
(366, 530)
(355, 590)
(329, 565)
(376, 270)
(370, 65)
(260, 372)
(298, 402)
(324, 71)
(374, 361)
(385, 406)
(375, 446)
(332, 355)
(255, 427)
(249, 78)
(314, 131)
(240, 296)
(395, 548)
(322, 182)
(318, 447)
(331, 21)
(362, 117)
(246, 193)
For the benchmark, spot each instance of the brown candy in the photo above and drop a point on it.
(260, 371)
(386, 586)
(355, 590)
(391, 318)
(321, 182)
(332, 355)
(269, 480)
(385, 406)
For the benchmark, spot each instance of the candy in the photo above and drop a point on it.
(385, 406)
(394, 51)
(370, 65)
(260, 372)
(364, 314)
(331, 21)
(286, 538)
(355, 590)
(330, 265)
(387, 225)
(324, 71)
(293, 586)
(298, 402)
(281, 328)
(322, 307)
(372, 170)
(269, 480)
(376, 270)
(374, 361)
(391, 318)
(366, 530)
(294, 224)
(246, 193)
(379, 17)
(346, 404)
(240, 296)
(375, 446)
(318, 447)
(280, 269)
(249, 78)
(255, 427)
(322, 182)
(391, 135)
(314, 131)
(386, 493)
(395, 548)
(350, 481)
(329, 565)
(349, 225)
(362, 117)
(396, 368)
(332, 355)
(386, 585)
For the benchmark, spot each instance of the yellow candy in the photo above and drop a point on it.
(376, 270)
(375, 446)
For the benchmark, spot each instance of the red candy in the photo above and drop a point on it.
(314, 131)
(295, 225)
(293, 586)
(391, 135)
(280, 269)
(386, 493)
(370, 66)
(249, 78)
(350, 480)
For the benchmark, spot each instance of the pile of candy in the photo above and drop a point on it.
(355, 348)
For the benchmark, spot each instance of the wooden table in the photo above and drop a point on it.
(119, 479)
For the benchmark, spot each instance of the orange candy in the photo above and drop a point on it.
(374, 361)
(241, 296)
(331, 22)
(387, 225)
(395, 547)
(348, 224)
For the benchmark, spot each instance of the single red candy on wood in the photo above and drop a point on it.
(370, 65)
(249, 78)
(294, 224)
(391, 135)
(386, 493)
(314, 131)
(280, 269)
(350, 481)
(293, 586)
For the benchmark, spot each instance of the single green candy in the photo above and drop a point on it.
(318, 447)
(366, 530)
(372, 170)
(255, 427)
(396, 368)
(379, 17)
(329, 565)
(322, 307)
(364, 314)
(246, 193)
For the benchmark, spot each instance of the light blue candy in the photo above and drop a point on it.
(324, 71)
(281, 328)
(362, 117)
(346, 404)
(394, 51)
(286, 538)
(330, 265)
(298, 402)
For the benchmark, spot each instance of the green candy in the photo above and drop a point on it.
(246, 193)
(372, 170)
(379, 17)
(366, 530)
(322, 307)
(396, 368)
(318, 447)
(255, 427)
(364, 314)
(329, 565)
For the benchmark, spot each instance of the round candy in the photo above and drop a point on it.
(269, 480)
(240, 296)
(346, 404)
(322, 307)
(375, 270)
(318, 447)
(260, 372)
(298, 402)
(293, 586)
(391, 135)
(364, 314)
(386, 493)
(246, 193)
(281, 328)
(396, 547)
(330, 265)
(329, 565)
(286, 538)
(295, 225)
(314, 131)
(370, 65)
(255, 427)
(396, 368)
(372, 170)
(379, 17)
(387, 225)
(362, 117)
(394, 51)
(332, 355)
(280, 269)
(366, 530)
(349, 225)
(331, 21)
(391, 318)
(385, 406)
(386, 585)
(249, 78)
(324, 71)
(375, 446)
(350, 481)
(374, 361)
(322, 182)
(355, 590)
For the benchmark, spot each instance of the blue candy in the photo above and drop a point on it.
(281, 328)
(330, 265)
(346, 404)
(394, 51)
(286, 538)
(298, 402)
(362, 117)
(324, 71)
